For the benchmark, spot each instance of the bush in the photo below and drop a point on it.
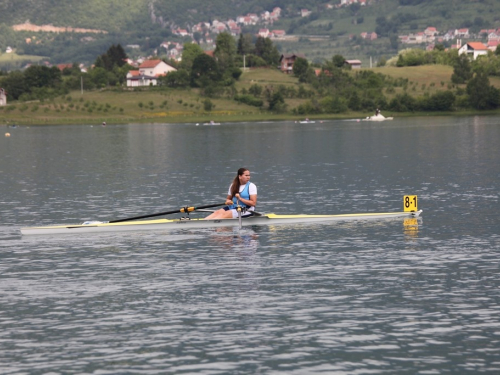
(208, 105)
(249, 100)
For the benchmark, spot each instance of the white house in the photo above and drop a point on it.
(463, 33)
(148, 73)
(3, 97)
(473, 49)
(264, 33)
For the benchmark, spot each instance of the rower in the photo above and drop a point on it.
(241, 193)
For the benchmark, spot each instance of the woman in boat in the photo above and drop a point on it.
(241, 192)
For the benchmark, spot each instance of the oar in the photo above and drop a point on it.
(239, 213)
(183, 209)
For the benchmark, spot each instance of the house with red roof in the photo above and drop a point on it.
(493, 45)
(462, 33)
(148, 73)
(287, 60)
(61, 67)
(278, 33)
(264, 33)
(473, 49)
(430, 31)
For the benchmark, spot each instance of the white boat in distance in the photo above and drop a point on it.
(378, 117)
(307, 121)
(169, 224)
(211, 123)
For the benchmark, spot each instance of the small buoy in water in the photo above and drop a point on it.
(7, 134)
(197, 124)
(104, 123)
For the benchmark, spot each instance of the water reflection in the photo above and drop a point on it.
(410, 226)
(229, 238)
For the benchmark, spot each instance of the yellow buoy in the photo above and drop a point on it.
(7, 134)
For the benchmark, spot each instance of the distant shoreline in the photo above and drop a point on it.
(193, 119)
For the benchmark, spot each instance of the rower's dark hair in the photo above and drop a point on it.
(235, 186)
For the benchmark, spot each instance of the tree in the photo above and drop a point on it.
(189, 53)
(179, 78)
(277, 102)
(115, 55)
(300, 66)
(42, 76)
(245, 45)
(338, 61)
(264, 48)
(204, 71)
(14, 84)
(481, 94)
(225, 50)
(462, 70)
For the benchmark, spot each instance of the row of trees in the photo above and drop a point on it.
(334, 88)
(213, 73)
(43, 82)
(340, 90)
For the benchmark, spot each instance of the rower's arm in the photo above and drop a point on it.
(249, 202)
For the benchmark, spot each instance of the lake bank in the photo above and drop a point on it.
(223, 117)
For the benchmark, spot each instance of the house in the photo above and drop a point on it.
(430, 31)
(3, 97)
(235, 31)
(278, 33)
(473, 49)
(61, 67)
(264, 33)
(287, 60)
(305, 13)
(355, 64)
(349, 2)
(369, 36)
(8, 50)
(494, 36)
(463, 33)
(493, 45)
(148, 73)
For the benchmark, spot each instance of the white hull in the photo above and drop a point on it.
(165, 224)
(378, 117)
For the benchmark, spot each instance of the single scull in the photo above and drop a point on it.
(162, 224)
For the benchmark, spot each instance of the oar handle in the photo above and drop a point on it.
(179, 210)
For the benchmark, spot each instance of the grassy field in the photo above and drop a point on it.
(181, 106)
(12, 58)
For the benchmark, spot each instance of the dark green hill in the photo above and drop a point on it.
(147, 23)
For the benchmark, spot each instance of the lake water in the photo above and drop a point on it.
(373, 297)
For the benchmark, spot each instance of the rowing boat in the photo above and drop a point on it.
(166, 224)
(378, 117)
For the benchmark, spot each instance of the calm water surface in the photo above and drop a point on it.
(374, 297)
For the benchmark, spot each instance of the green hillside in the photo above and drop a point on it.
(146, 24)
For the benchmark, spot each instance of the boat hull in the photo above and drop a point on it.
(378, 118)
(175, 224)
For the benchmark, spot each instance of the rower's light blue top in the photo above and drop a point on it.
(245, 194)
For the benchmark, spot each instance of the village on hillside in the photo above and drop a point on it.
(148, 69)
